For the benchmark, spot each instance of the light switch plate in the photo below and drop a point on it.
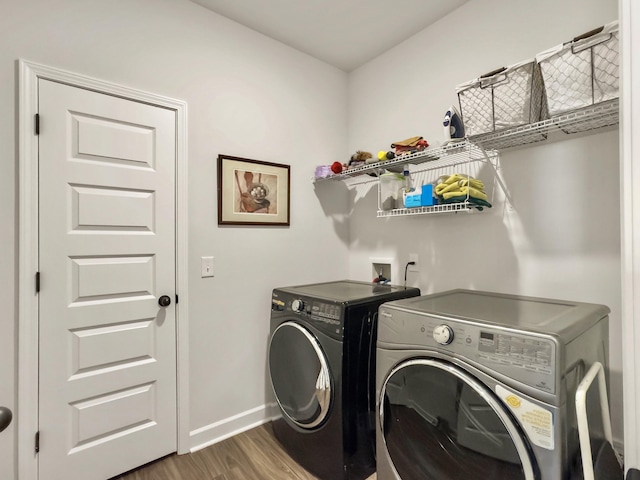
(207, 266)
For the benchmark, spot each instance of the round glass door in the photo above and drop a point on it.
(300, 375)
(440, 423)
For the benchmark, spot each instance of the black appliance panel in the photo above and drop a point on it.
(342, 317)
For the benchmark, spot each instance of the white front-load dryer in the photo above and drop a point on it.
(475, 385)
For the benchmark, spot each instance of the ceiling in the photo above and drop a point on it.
(343, 33)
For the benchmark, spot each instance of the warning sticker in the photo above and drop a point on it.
(536, 420)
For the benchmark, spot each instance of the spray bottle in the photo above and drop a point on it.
(407, 185)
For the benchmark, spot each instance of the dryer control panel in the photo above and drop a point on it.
(518, 350)
(526, 357)
(325, 316)
(326, 313)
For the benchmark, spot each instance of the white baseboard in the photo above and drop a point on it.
(223, 429)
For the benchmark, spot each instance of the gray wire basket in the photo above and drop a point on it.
(504, 98)
(583, 71)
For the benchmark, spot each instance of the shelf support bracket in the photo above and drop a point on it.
(497, 175)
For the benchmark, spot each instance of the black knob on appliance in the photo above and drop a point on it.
(164, 301)
(5, 418)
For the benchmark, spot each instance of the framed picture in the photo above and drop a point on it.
(251, 192)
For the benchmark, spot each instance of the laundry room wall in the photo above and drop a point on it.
(247, 96)
(559, 236)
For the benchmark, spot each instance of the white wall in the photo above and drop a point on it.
(247, 96)
(253, 97)
(560, 238)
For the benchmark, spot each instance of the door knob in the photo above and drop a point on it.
(164, 301)
(5, 418)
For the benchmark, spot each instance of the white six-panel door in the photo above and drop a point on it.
(107, 366)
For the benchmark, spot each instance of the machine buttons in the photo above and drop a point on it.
(443, 334)
(297, 305)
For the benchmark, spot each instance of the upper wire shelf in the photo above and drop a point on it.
(597, 116)
(437, 157)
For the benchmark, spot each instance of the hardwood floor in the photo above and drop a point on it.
(252, 455)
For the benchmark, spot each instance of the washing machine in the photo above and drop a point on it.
(479, 385)
(321, 366)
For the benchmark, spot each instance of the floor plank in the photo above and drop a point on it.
(252, 455)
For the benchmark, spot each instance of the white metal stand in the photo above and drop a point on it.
(581, 412)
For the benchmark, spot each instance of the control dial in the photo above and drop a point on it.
(297, 305)
(443, 334)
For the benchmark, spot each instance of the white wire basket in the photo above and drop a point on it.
(583, 71)
(504, 98)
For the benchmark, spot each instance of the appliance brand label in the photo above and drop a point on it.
(536, 420)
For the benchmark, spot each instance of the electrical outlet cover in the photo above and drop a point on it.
(413, 257)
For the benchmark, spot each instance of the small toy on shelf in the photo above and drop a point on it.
(360, 158)
(336, 167)
(383, 156)
(323, 171)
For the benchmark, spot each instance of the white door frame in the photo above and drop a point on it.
(29, 74)
(629, 13)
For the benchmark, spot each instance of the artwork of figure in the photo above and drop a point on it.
(255, 192)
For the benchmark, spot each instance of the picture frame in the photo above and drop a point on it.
(253, 192)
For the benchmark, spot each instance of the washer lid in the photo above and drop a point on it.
(564, 318)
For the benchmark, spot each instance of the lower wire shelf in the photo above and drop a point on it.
(466, 207)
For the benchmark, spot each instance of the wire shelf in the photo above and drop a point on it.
(484, 148)
(431, 158)
(466, 207)
(590, 118)
(597, 116)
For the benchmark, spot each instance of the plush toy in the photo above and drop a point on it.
(360, 157)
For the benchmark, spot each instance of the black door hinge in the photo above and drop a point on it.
(37, 442)
(37, 282)
(176, 298)
(37, 123)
